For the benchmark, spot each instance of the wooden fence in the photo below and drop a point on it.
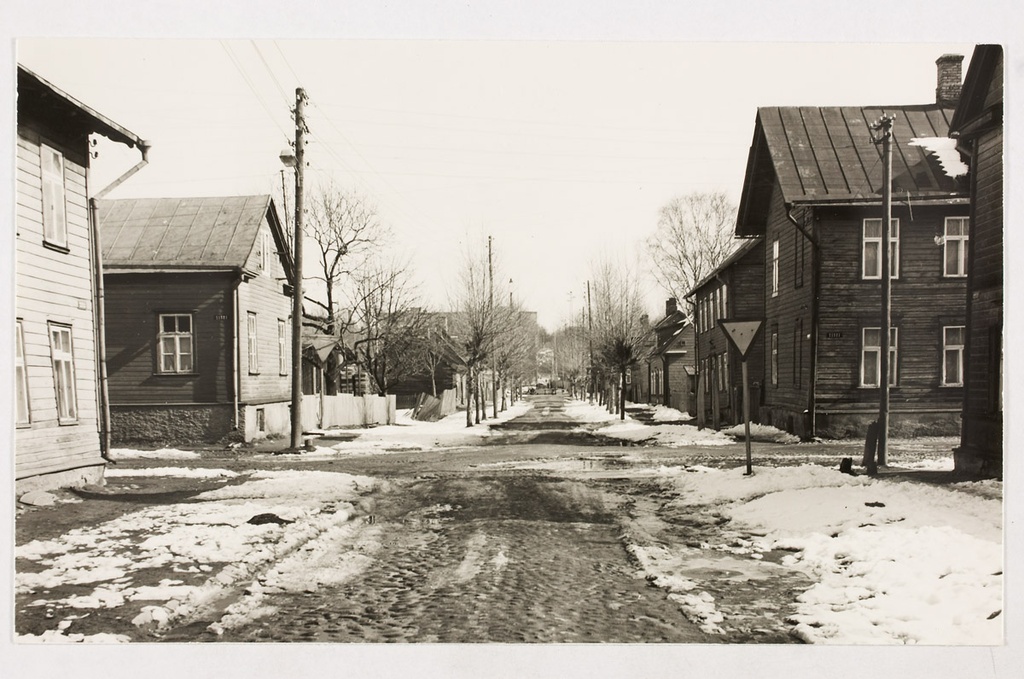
(346, 410)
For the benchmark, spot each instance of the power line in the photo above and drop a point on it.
(252, 87)
(259, 53)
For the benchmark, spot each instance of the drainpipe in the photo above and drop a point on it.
(815, 272)
(235, 351)
(100, 302)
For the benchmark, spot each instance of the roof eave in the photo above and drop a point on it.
(103, 125)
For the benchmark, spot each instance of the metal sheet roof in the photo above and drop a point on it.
(826, 154)
(181, 232)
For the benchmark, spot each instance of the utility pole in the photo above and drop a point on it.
(884, 124)
(494, 372)
(300, 148)
(590, 340)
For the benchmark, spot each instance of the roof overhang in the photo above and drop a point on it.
(49, 101)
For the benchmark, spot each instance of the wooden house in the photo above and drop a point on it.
(58, 410)
(672, 363)
(813, 193)
(198, 318)
(978, 127)
(734, 290)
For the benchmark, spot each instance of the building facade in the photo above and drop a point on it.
(734, 290)
(978, 128)
(198, 318)
(58, 409)
(813, 193)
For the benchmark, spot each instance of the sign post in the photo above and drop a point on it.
(741, 335)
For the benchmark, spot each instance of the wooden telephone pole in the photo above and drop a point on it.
(884, 124)
(300, 148)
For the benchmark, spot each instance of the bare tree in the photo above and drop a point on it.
(346, 230)
(620, 323)
(390, 321)
(476, 324)
(694, 236)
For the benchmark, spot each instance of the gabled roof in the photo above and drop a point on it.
(981, 100)
(822, 155)
(169, 233)
(41, 99)
(677, 317)
(741, 248)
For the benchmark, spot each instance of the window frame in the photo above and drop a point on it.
(959, 348)
(774, 356)
(23, 401)
(894, 249)
(876, 349)
(961, 240)
(252, 342)
(265, 251)
(775, 268)
(177, 335)
(55, 233)
(64, 381)
(282, 345)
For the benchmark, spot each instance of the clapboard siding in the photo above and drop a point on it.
(923, 301)
(133, 304)
(263, 293)
(794, 301)
(982, 435)
(54, 286)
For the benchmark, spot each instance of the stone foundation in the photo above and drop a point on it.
(854, 425)
(170, 424)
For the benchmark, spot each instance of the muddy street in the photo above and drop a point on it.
(485, 559)
(543, 531)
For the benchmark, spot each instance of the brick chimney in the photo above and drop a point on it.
(947, 90)
(670, 306)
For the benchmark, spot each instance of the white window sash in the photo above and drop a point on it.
(875, 352)
(958, 243)
(875, 272)
(956, 351)
(24, 412)
(254, 364)
(62, 356)
(55, 226)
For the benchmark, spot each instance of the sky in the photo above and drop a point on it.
(561, 151)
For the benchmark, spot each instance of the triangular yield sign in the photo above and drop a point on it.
(741, 333)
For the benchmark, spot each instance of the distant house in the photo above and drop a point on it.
(58, 411)
(734, 290)
(672, 362)
(198, 308)
(978, 126)
(813, 192)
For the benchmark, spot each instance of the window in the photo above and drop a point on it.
(282, 346)
(254, 362)
(62, 355)
(775, 357)
(725, 372)
(871, 355)
(725, 301)
(775, 268)
(55, 224)
(177, 349)
(953, 356)
(955, 248)
(872, 249)
(24, 415)
(265, 252)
